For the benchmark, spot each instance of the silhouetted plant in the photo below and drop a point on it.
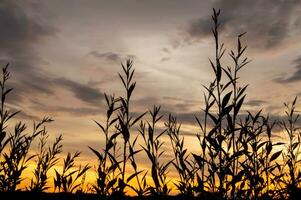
(47, 158)
(107, 163)
(238, 159)
(291, 175)
(185, 168)
(68, 180)
(222, 106)
(141, 189)
(152, 145)
(16, 159)
(259, 159)
(126, 120)
(5, 114)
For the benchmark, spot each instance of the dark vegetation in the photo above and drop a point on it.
(238, 159)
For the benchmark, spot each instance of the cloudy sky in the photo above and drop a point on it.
(64, 54)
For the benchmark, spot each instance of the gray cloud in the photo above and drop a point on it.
(83, 92)
(22, 28)
(296, 76)
(165, 59)
(172, 98)
(110, 56)
(80, 111)
(165, 50)
(269, 22)
(77, 111)
(255, 102)
(43, 85)
(20, 32)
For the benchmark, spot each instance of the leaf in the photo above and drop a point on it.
(131, 89)
(238, 105)
(99, 156)
(214, 119)
(133, 175)
(200, 160)
(111, 183)
(226, 110)
(218, 72)
(2, 136)
(226, 99)
(241, 91)
(121, 78)
(275, 155)
(102, 128)
(138, 118)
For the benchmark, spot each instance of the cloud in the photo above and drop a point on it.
(271, 22)
(83, 92)
(172, 98)
(80, 111)
(296, 76)
(165, 59)
(165, 50)
(255, 103)
(72, 111)
(110, 56)
(20, 30)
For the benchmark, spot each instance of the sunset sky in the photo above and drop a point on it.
(64, 54)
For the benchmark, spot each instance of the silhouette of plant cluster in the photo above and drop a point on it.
(238, 157)
(15, 154)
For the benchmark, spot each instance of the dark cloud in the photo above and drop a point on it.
(296, 76)
(19, 30)
(255, 103)
(268, 23)
(165, 50)
(188, 118)
(22, 115)
(165, 59)
(43, 85)
(83, 92)
(172, 98)
(110, 56)
(72, 111)
(22, 28)
(79, 111)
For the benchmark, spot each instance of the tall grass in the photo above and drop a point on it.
(15, 145)
(239, 156)
(107, 174)
(152, 147)
(71, 177)
(184, 166)
(47, 158)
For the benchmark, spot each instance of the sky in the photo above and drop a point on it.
(64, 54)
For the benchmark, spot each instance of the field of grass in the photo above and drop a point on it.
(239, 157)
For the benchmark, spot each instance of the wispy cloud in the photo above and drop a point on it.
(296, 76)
(110, 56)
(255, 102)
(83, 92)
(271, 22)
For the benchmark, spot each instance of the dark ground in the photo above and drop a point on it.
(62, 196)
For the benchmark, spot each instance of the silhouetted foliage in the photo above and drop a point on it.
(152, 145)
(47, 158)
(238, 158)
(67, 180)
